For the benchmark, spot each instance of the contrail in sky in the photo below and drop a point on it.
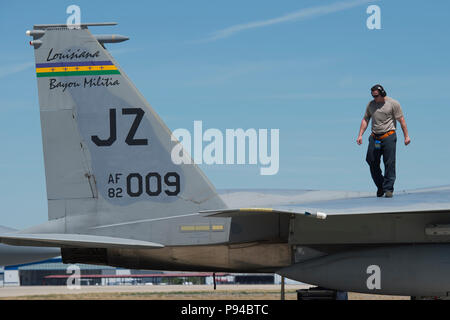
(7, 70)
(294, 16)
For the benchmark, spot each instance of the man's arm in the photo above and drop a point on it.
(405, 130)
(362, 129)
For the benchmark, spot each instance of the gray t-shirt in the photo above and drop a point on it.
(384, 115)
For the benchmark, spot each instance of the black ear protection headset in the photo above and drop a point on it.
(380, 89)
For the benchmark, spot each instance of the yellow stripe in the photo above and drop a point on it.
(187, 228)
(79, 68)
(256, 210)
(194, 228)
(202, 228)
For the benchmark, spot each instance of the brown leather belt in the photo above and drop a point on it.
(385, 135)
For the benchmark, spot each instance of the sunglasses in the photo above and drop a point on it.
(375, 96)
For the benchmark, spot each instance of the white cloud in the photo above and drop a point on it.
(294, 16)
(15, 68)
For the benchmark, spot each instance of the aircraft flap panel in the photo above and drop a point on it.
(368, 228)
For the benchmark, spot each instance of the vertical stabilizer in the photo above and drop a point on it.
(107, 153)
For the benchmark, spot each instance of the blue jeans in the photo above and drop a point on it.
(387, 150)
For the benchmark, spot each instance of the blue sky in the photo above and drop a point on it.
(298, 66)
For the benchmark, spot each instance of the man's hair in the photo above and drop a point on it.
(380, 89)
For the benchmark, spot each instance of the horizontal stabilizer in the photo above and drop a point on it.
(230, 213)
(74, 241)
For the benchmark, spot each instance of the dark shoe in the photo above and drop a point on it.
(389, 194)
(380, 193)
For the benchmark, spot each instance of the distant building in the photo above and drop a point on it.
(54, 272)
(254, 278)
(34, 274)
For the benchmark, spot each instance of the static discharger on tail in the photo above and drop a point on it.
(116, 198)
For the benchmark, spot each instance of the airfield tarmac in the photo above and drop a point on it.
(166, 292)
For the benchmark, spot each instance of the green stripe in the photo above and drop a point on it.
(76, 73)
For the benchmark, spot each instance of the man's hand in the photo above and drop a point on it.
(405, 130)
(359, 140)
(407, 140)
(362, 128)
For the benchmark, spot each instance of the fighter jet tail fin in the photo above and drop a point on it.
(107, 153)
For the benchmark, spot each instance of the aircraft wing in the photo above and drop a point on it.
(419, 216)
(427, 200)
(239, 212)
(345, 203)
(75, 240)
(401, 242)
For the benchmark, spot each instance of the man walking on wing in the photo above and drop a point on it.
(384, 112)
